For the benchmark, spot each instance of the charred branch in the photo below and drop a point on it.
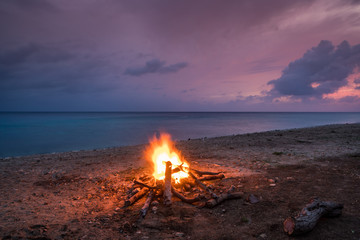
(144, 185)
(201, 173)
(148, 201)
(136, 197)
(212, 177)
(225, 196)
(185, 199)
(203, 186)
(310, 215)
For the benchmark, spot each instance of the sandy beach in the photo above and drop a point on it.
(79, 195)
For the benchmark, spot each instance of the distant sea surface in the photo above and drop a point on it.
(36, 133)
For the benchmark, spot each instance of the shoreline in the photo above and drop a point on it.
(177, 141)
(78, 195)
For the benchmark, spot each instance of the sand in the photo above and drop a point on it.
(78, 195)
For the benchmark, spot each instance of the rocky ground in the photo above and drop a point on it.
(79, 195)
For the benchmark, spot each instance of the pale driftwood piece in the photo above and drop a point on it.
(201, 173)
(212, 177)
(144, 184)
(225, 196)
(167, 184)
(185, 199)
(310, 215)
(136, 197)
(148, 201)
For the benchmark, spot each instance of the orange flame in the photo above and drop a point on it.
(162, 150)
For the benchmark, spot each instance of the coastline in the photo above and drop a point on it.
(72, 188)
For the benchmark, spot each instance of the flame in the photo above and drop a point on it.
(162, 150)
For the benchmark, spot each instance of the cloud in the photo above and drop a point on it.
(155, 66)
(49, 67)
(322, 69)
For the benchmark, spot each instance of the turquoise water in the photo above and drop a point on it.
(34, 133)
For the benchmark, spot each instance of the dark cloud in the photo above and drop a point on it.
(40, 67)
(323, 69)
(37, 5)
(155, 66)
(357, 81)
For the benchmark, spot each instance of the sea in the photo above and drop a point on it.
(27, 133)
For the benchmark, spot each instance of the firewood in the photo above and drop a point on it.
(167, 184)
(136, 197)
(185, 199)
(310, 215)
(144, 184)
(201, 173)
(225, 196)
(203, 186)
(212, 177)
(146, 206)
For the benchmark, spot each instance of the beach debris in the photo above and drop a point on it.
(309, 216)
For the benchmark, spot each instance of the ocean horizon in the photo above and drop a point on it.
(28, 133)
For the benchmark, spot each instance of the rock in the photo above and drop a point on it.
(155, 203)
(263, 236)
(180, 234)
(223, 210)
(272, 185)
(271, 180)
(154, 209)
(253, 199)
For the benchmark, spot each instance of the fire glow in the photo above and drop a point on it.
(162, 150)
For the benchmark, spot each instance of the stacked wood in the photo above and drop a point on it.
(310, 215)
(165, 189)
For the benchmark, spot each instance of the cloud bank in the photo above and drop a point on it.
(155, 66)
(322, 70)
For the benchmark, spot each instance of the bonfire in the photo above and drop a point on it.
(172, 174)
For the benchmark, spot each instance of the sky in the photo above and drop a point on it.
(188, 55)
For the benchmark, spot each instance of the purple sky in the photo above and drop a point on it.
(188, 55)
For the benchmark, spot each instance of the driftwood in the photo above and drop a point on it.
(310, 215)
(201, 173)
(225, 196)
(148, 201)
(212, 177)
(167, 184)
(185, 199)
(136, 197)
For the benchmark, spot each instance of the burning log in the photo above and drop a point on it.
(310, 215)
(136, 197)
(167, 184)
(148, 201)
(201, 173)
(212, 177)
(185, 199)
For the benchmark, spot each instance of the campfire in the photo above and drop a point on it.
(173, 176)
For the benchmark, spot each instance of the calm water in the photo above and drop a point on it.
(33, 133)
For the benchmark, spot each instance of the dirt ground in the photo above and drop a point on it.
(79, 195)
